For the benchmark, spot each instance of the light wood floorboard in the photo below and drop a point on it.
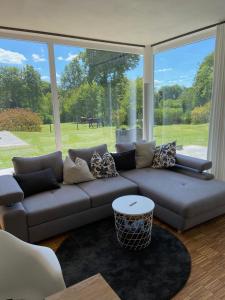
(206, 244)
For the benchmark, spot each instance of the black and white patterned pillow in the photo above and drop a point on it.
(103, 167)
(164, 156)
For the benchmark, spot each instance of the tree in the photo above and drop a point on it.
(74, 74)
(20, 88)
(45, 87)
(104, 65)
(46, 112)
(203, 81)
(169, 92)
(83, 101)
(188, 99)
(32, 88)
(121, 101)
(99, 77)
(139, 95)
(11, 88)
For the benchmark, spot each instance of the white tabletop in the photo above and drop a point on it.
(133, 205)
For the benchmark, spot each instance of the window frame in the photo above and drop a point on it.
(148, 73)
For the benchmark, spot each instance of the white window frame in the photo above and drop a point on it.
(179, 42)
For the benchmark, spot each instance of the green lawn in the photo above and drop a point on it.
(184, 134)
(44, 141)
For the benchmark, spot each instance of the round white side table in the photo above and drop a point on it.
(133, 221)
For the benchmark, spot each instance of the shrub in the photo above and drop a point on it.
(168, 116)
(19, 119)
(200, 114)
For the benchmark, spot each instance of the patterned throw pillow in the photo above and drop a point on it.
(103, 167)
(164, 156)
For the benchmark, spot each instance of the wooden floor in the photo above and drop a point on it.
(206, 244)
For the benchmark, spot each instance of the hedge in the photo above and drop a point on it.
(19, 119)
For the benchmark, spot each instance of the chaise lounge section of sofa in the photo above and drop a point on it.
(184, 196)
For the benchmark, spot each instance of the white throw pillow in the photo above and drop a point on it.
(76, 172)
(144, 154)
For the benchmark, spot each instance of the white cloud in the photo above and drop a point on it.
(164, 70)
(71, 56)
(11, 57)
(37, 58)
(45, 77)
(57, 75)
(157, 82)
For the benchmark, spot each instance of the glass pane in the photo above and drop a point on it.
(182, 100)
(25, 101)
(100, 96)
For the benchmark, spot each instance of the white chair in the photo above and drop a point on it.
(27, 272)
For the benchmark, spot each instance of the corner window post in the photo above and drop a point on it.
(148, 99)
(55, 100)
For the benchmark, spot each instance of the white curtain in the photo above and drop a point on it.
(216, 149)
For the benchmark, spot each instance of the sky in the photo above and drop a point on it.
(175, 66)
(179, 65)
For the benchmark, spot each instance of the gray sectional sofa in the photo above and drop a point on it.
(184, 197)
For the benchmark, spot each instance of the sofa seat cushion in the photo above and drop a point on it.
(104, 191)
(182, 194)
(51, 205)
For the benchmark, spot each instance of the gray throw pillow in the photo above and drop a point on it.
(76, 172)
(103, 167)
(165, 156)
(24, 165)
(144, 154)
(86, 153)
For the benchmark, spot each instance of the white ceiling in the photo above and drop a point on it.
(130, 21)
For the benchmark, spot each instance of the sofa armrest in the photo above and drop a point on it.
(14, 220)
(10, 191)
(193, 163)
(192, 172)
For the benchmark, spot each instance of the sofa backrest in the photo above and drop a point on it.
(86, 153)
(23, 165)
(124, 147)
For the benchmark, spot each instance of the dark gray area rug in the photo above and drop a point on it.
(157, 272)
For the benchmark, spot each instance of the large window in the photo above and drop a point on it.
(99, 92)
(182, 97)
(100, 96)
(26, 123)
